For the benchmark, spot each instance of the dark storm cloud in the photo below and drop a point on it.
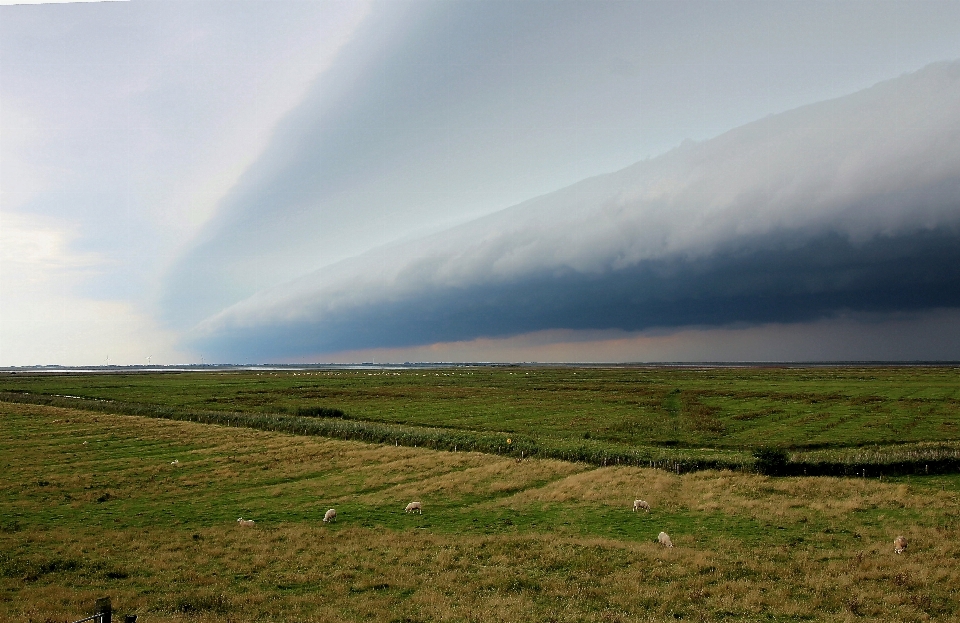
(437, 112)
(433, 103)
(850, 204)
(766, 281)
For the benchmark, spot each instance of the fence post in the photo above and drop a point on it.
(104, 610)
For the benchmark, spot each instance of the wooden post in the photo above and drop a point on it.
(104, 610)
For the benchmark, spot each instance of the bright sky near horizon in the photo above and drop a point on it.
(437, 181)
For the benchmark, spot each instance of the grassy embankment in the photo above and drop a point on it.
(90, 504)
(831, 420)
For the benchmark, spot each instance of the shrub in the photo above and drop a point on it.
(319, 412)
(770, 461)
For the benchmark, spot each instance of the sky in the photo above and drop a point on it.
(333, 181)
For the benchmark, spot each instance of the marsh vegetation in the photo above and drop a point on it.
(831, 420)
(93, 504)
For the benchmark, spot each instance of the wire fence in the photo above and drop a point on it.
(103, 613)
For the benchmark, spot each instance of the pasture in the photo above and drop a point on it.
(830, 420)
(732, 408)
(92, 504)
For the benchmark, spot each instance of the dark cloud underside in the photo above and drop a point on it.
(850, 204)
(775, 279)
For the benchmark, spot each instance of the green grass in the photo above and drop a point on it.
(717, 407)
(91, 505)
(698, 417)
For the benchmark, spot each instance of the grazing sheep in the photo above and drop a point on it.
(246, 522)
(638, 504)
(175, 462)
(414, 507)
(899, 545)
(330, 515)
(664, 539)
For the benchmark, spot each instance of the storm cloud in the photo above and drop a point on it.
(851, 204)
(341, 180)
(436, 113)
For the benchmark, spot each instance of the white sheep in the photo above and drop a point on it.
(664, 539)
(899, 545)
(246, 522)
(414, 507)
(638, 504)
(330, 515)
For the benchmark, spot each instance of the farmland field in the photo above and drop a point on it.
(92, 503)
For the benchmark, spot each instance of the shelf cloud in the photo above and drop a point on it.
(847, 205)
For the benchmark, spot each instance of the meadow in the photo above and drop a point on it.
(831, 420)
(144, 508)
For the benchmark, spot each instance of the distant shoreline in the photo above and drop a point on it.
(280, 367)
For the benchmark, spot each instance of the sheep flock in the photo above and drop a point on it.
(899, 544)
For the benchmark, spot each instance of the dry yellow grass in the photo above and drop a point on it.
(498, 541)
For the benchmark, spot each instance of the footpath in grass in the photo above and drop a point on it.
(145, 510)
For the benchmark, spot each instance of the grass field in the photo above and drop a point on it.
(716, 407)
(91, 505)
(859, 417)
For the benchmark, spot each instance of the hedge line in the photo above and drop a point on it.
(892, 460)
